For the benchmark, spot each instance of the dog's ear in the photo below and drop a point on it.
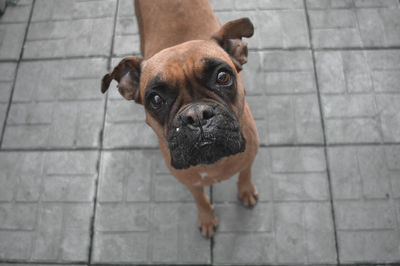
(230, 36)
(127, 74)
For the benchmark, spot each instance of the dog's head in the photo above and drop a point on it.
(192, 94)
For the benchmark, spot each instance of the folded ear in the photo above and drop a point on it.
(230, 36)
(127, 74)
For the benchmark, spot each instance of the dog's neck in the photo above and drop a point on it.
(163, 24)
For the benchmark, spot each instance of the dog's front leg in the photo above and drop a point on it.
(208, 221)
(246, 190)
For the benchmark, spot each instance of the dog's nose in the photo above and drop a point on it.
(199, 115)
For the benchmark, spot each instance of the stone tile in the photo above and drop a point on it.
(126, 8)
(276, 4)
(368, 215)
(36, 227)
(126, 44)
(63, 103)
(389, 116)
(144, 215)
(336, 24)
(292, 218)
(121, 247)
(222, 5)
(7, 74)
(359, 94)
(125, 124)
(364, 172)
(371, 246)
(45, 10)
(3, 111)
(126, 40)
(66, 38)
(19, 216)
(281, 93)
(71, 124)
(64, 80)
(122, 180)
(11, 40)
(377, 4)
(122, 217)
(46, 264)
(365, 191)
(242, 5)
(15, 244)
(299, 235)
(233, 217)
(17, 13)
(283, 174)
(173, 238)
(321, 4)
(256, 248)
(285, 27)
(304, 233)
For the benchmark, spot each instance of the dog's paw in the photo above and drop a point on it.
(248, 195)
(208, 223)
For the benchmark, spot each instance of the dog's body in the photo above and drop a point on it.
(193, 96)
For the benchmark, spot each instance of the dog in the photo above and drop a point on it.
(193, 96)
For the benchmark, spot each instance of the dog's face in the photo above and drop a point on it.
(192, 94)
(193, 98)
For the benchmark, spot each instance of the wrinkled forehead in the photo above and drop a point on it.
(181, 61)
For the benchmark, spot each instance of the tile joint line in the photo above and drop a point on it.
(15, 75)
(100, 149)
(323, 132)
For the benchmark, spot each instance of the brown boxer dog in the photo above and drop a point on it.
(192, 92)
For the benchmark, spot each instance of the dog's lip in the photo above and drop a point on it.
(204, 143)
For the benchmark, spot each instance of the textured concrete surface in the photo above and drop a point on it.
(82, 181)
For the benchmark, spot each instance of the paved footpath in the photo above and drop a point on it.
(82, 180)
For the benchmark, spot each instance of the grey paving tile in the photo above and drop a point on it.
(63, 80)
(17, 13)
(222, 5)
(125, 125)
(291, 223)
(286, 26)
(345, 23)
(282, 95)
(36, 227)
(276, 4)
(45, 10)
(360, 95)
(126, 39)
(7, 74)
(144, 215)
(66, 38)
(73, 28)
(39, 264)
(365, 186)
(13, 24)
(61, 107)
(11, 40)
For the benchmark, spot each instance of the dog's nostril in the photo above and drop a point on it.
(190, 120)
(207, 114)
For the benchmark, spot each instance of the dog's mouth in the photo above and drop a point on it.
(206, 144)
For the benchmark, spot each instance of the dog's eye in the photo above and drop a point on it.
(223, 78)
(156, 101)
